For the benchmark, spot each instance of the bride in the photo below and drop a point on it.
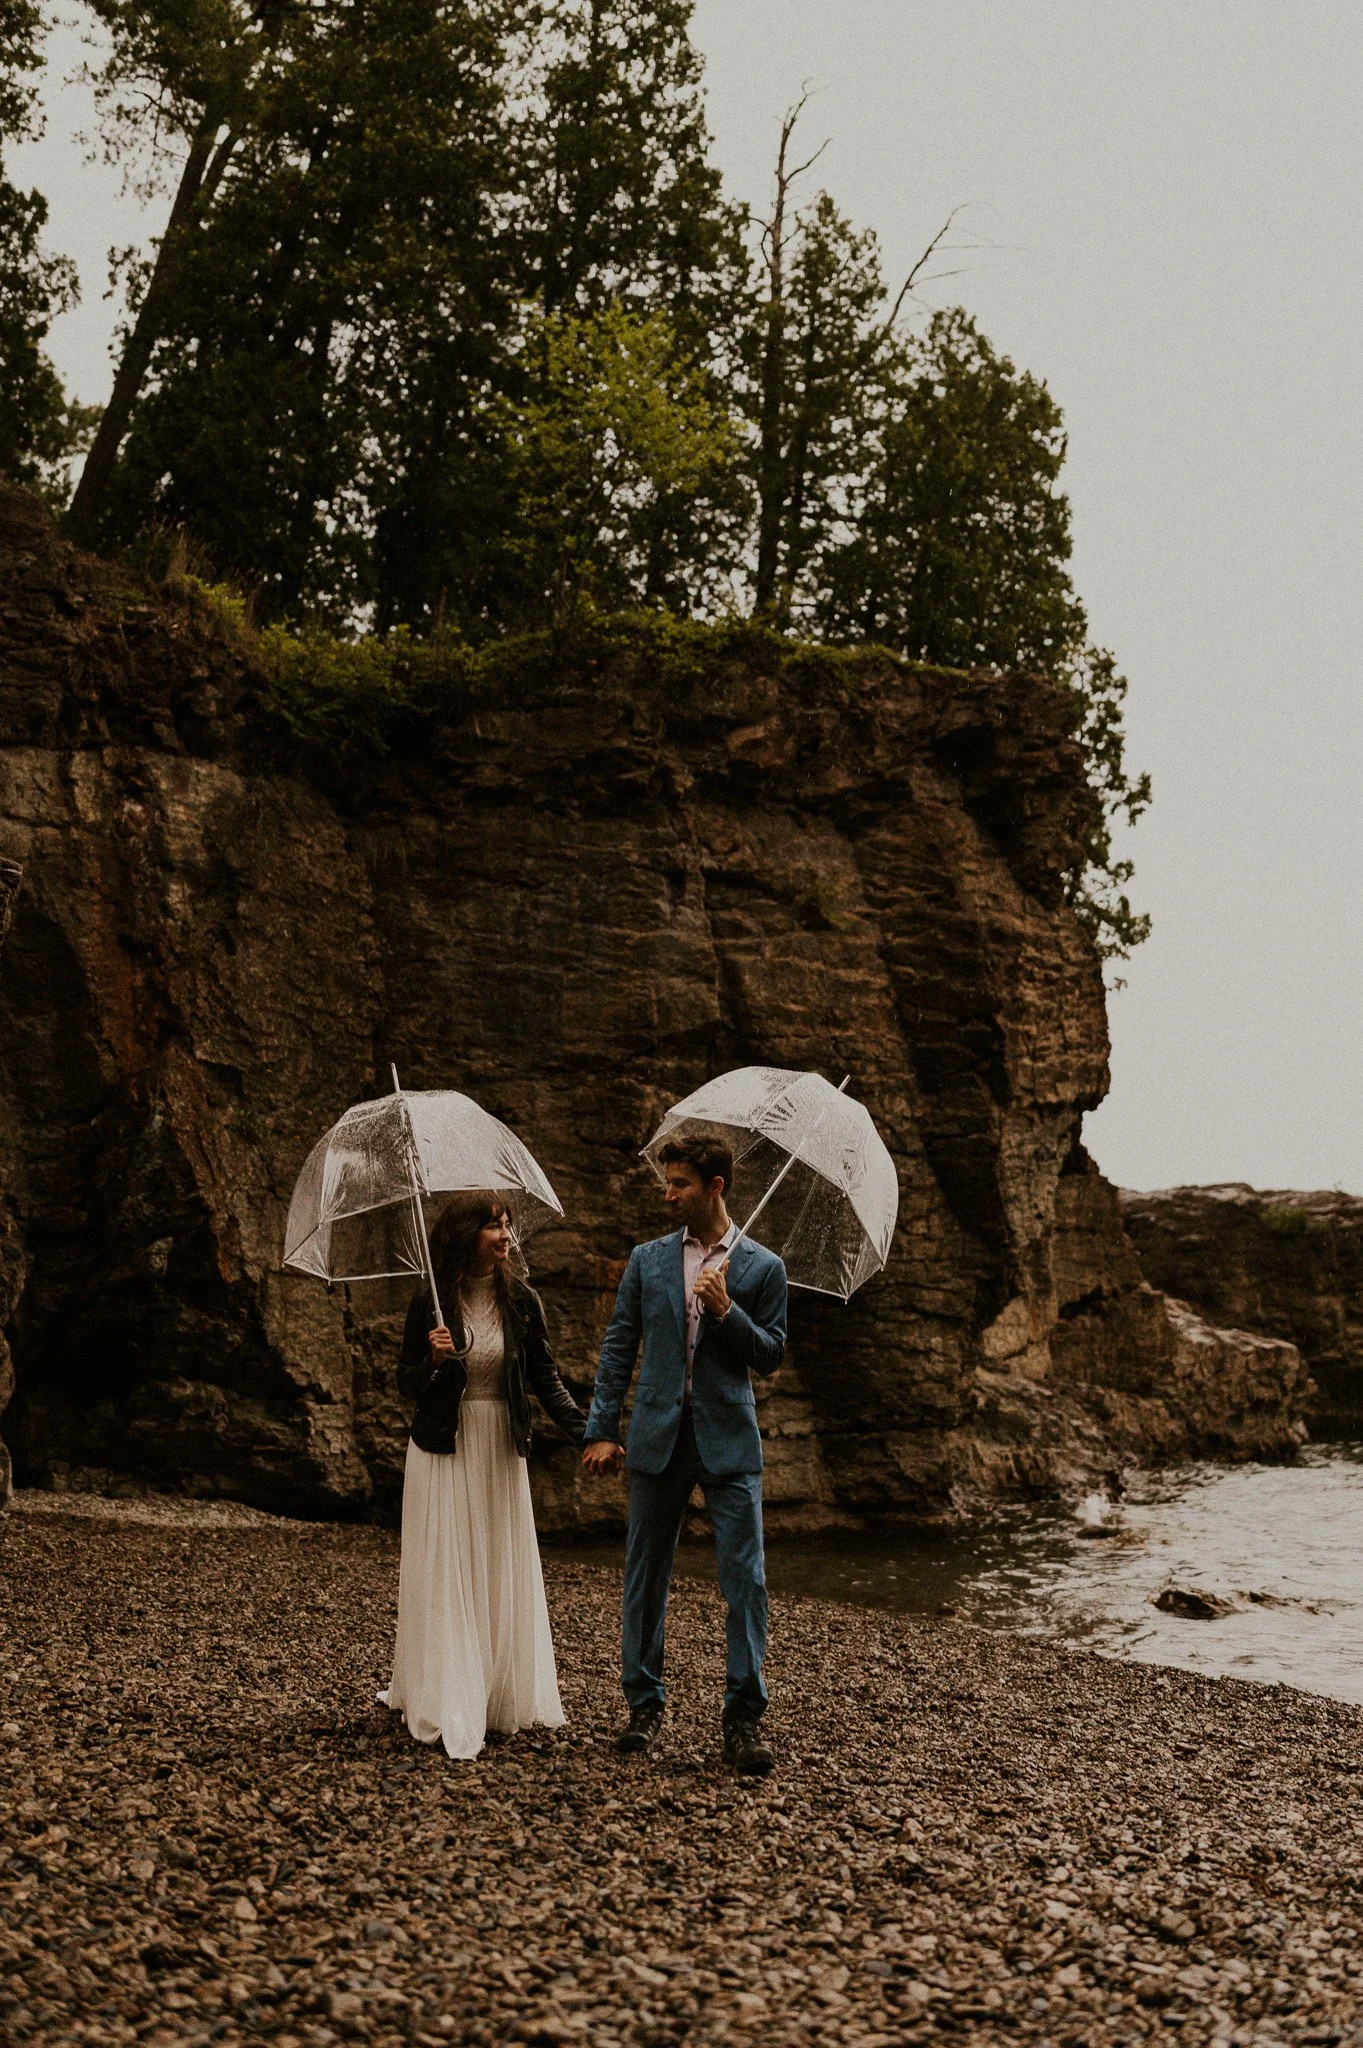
(474, 1652)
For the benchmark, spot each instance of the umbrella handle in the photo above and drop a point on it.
(416, 1197)
(780, 1176)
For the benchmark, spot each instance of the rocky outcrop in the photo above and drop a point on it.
(573, 887)
(1163, 1383)
(1289, 1265)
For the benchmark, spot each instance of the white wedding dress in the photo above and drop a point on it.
(474, 1649)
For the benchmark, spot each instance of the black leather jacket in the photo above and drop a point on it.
(438, 1390)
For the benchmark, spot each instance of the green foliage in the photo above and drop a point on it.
(21, 31)
(960, 533)
(336, 298)
(340, 704)
(379, 187)
(1097, 889)
(616, 195)
(40, 429)
(623, 469)
(1287, 1221)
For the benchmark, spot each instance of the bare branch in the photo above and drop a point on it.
(917, 272)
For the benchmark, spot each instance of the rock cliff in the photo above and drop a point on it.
(573, 891)
(1290, 1265)
(11, 1258)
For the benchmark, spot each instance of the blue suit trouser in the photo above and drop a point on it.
(657, 1503)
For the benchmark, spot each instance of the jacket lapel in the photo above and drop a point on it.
(738, 1261)
(676, 1278)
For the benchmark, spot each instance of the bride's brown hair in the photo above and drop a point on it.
(454, 1245)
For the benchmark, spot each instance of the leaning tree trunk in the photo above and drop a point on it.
(11, 875)
(204, 165)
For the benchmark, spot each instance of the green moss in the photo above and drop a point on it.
(350, 699)
(1286, 1221)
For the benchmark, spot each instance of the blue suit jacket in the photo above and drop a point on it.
(751, 1338)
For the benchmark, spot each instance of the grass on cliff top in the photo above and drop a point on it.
(1286, 1221)
(317, 692)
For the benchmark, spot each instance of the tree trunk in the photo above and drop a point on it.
(772, 477)
(88, 506)
(770, 483)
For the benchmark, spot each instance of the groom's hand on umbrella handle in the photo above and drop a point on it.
(442, 1344)
(711, 1291)
(600, 1458)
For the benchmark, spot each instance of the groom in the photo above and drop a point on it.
(711, 1311)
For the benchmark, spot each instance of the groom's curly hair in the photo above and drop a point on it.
(708, 1157)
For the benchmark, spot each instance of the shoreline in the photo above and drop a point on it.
(214, 1833)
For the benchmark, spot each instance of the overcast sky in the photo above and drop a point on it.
(1167, 198)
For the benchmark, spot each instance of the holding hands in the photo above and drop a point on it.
(600, 1459)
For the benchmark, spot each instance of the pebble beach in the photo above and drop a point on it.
(210, 1832)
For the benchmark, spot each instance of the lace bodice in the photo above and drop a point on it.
(486, 1361)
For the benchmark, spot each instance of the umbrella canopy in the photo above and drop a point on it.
(355, 1214)
(811, 1172)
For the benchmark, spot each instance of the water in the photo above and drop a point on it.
(1283, 1545)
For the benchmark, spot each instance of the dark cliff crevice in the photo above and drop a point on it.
(572, 886)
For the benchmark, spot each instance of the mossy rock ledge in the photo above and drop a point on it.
(572, 881)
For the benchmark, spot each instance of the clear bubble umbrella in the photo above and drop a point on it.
(811, 1172)
(358, 1209)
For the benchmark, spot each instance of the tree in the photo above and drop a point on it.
(453, 325)
(809, 370)
(367, 194)
(958, 548)
(957, 552)
(314, 331)
(40, 429)
(616, 195)
(624, 472)
(180, 89)
(813, 349)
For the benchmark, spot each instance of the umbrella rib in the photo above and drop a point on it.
(786, 1169)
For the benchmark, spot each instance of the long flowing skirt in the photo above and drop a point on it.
(474, 1649)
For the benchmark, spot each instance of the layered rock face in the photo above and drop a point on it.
(11, 1257)
(1290, 1265)
(574, 897)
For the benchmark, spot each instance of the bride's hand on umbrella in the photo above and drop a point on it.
(442, 1344)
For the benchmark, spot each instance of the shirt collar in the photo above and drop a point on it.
(723, 1242)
